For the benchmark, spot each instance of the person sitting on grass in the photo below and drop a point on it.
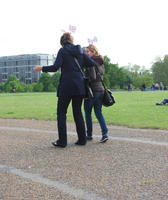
(162, 103)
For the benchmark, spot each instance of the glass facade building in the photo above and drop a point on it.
(22, 66)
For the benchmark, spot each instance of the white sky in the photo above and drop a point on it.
(128, 31)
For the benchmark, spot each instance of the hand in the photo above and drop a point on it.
(37, 68)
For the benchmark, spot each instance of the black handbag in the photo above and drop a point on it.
(108, 98)
(88, 90)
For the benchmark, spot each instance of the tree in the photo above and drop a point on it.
(22, 87)
(29, 88)
(2, 87)
(37, 87)
(107, 69)
(160, 70)
(12, 84)
(11, 78)
(55, 79)
(45, 80)
(122, 78)
(138, 81)
(114, 76)
(51, 88)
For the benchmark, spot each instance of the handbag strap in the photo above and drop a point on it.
(98, 72)
(79, 67)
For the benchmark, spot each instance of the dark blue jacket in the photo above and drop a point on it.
(71, 81)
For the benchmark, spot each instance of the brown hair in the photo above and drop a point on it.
(66, 38)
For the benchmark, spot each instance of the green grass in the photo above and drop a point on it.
(132, 109)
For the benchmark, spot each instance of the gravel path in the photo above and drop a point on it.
(132, 165)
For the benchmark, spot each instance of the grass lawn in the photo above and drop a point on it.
(132, 109)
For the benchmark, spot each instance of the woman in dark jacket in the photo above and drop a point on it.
(71, 87)
(98, 92)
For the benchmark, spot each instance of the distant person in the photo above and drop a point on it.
(129, 87)
(98, 92)
(162, 103)
(161, 86)
(71, 87)
(153, 87)
(14, 89)
(143, 87)
(156, 86)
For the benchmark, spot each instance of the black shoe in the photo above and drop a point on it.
(104, 139)
(89, 137)
(80, 143)
(159, 104)
(55, 144)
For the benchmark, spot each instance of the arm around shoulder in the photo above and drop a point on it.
(88, 61)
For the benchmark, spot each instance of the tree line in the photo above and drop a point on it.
(46, 83)
(115, 77)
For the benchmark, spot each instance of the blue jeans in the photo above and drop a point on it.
(96, 102)
(164, 101)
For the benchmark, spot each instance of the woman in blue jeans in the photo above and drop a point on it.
(98, 91)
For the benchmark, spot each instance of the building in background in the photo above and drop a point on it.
(22, 66)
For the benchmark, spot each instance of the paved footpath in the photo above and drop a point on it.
(131, 165)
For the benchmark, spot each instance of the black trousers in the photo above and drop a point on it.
(62, 106)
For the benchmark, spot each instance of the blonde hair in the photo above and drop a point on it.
(93, 49)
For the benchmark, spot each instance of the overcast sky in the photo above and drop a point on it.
(128, 31)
